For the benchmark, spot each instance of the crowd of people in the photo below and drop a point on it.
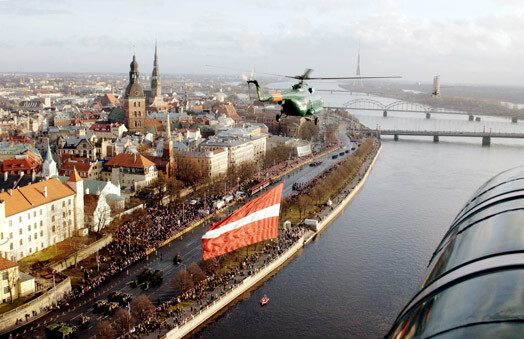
(172, 313)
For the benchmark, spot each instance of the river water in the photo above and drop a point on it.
(354, 279)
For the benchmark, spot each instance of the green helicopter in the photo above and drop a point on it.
(301, 100)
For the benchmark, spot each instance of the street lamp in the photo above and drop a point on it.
(54, 288)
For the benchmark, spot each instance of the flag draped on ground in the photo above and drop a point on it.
(255, 221)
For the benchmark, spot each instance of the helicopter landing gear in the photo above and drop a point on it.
(316, 120)
(278, 117)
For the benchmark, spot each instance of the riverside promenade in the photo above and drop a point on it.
(243, 279)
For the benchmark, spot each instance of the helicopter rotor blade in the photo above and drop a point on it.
(357, 78)
(253, 70)
(307, 73)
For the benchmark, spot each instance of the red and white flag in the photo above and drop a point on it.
(255, 221)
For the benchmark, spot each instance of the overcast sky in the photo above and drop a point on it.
(478, 41)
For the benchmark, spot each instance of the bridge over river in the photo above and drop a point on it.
(486, 136)
(370, 104)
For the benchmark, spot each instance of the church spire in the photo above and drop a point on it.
(156, 83)
(155, 63)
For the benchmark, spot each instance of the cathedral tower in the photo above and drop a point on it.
(135, 102)
(156, 82)
(155, 100)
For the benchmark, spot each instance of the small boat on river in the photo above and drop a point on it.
(264, 300)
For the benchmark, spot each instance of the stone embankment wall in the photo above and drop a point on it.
(201, 316)
(82, 254)
(38, 305)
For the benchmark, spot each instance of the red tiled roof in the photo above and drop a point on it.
(30, 163)
(158, 124)
(31, 196)
(6, 263)
(82, 165)
(130, 160)
(75, 177)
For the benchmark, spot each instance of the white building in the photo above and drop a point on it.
(240, 149)
(37, 216)
(130, 171)
(213, 163)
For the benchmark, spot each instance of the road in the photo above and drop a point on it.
(190, 248)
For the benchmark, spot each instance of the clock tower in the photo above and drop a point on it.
(135, 102)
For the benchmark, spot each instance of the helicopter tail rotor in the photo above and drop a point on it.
(248, 80)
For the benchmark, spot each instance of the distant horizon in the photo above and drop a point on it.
(479, 42)
(238, 78)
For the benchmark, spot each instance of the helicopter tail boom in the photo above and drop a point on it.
(261, 96)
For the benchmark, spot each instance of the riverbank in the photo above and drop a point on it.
(326, 216)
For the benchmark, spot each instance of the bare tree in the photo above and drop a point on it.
(196, 273)
(12, 282)
(123, 321)
(303, 204)
(182, 280)
(104, 330)
(246, 171)
(209, 266)
(308, 131)
(192, 172)
(142, 308)
(317, 193)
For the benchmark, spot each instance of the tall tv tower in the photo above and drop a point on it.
(358, 82)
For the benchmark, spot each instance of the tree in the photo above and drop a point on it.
(308, 131)
(104, 330)
(303, 204)
(123, 321)
(191, 172)
(209, 266)
(182, 280)
(246, 171)
(142, 308)
(12, 281)
(277, 155)
(317, 193)
(196, 273)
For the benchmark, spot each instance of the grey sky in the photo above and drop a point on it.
(478, 41)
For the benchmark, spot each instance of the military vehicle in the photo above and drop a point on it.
(60, 330)
(84, 321)
(121, 298)
(112, 307)
(142, 277)
(154, 280)
(99, 306)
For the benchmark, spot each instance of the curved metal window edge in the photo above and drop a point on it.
(431, 289)
(476, 207)
(478, 195)
(517, 320)
(447, 239)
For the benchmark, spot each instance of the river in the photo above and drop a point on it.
(354, 279)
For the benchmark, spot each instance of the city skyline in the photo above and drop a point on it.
(478, 43)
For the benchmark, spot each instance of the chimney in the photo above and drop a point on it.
(33, 176)
(135, 157)
(10, 192)
(45, 191)
(5, 176)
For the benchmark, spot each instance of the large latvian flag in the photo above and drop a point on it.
(255, 221)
